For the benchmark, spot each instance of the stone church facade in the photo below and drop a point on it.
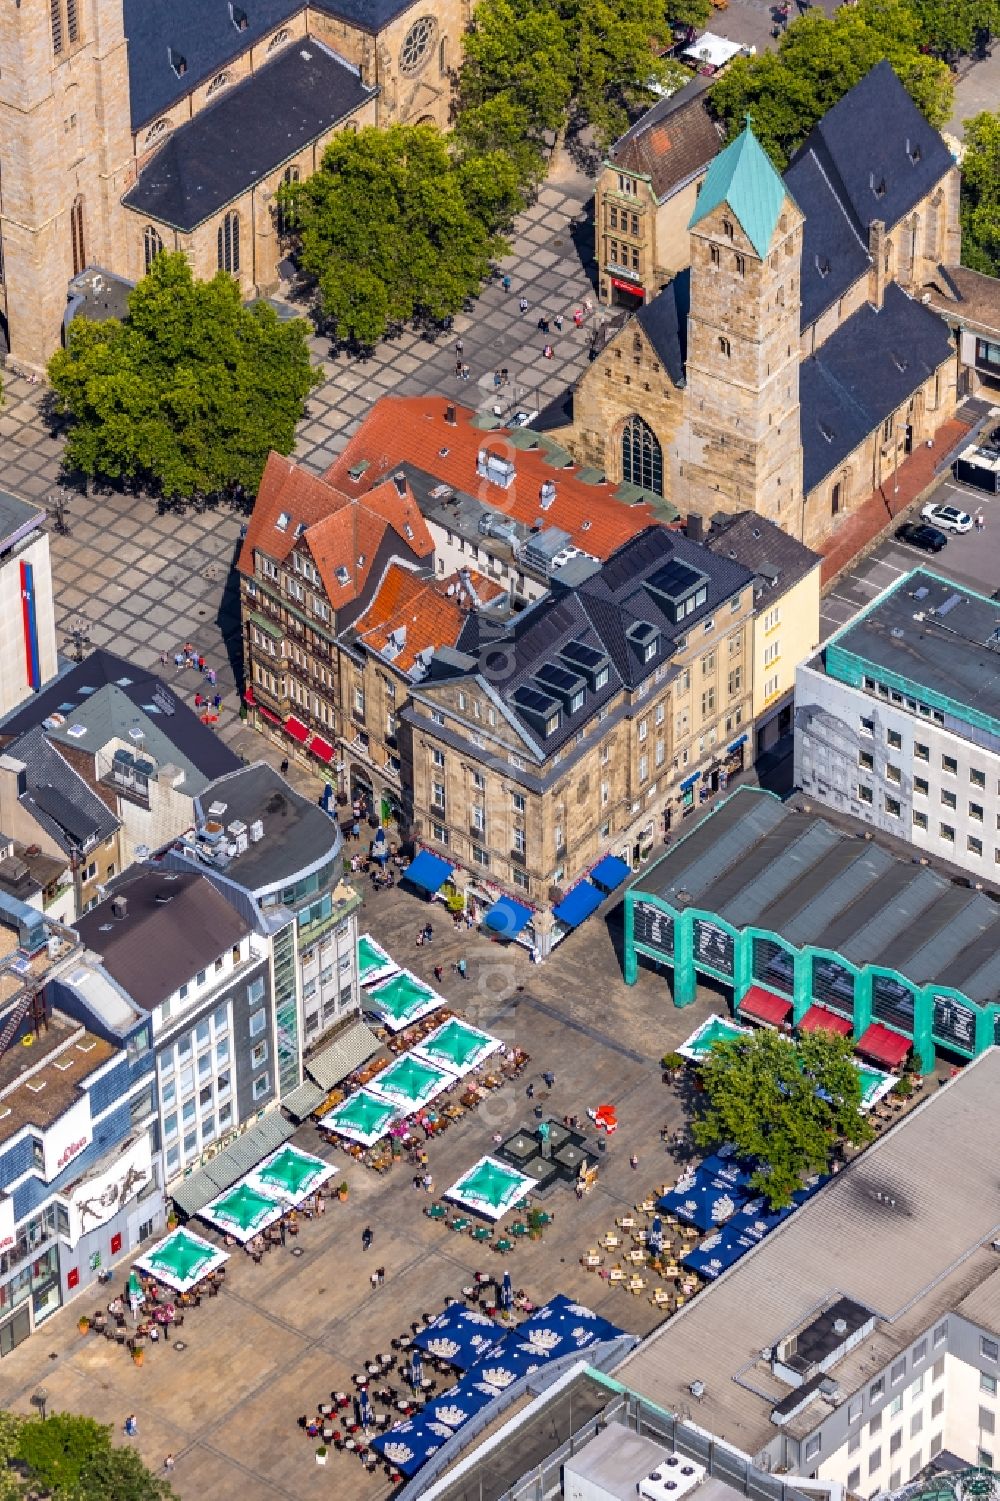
(128, 126)
(793, 366)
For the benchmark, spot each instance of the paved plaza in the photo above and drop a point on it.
(285, 1333)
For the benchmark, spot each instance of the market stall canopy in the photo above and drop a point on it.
(243, 1212)
(715, 1255)
(703, 1202)
(461, 1336)
(457, 1047)
(490, 1188)
(578, 904)
(884, 1045)
(374, 963)
(820, 1018)
(363, 1118)
(764, 1006)
(292, 1174)
(182, 1260)
(409, 1083)
(402, 1000)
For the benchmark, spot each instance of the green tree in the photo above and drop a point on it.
(953, 27)
(502, 124)
(689, 12)
(521, 54)
(190, 392)
(980, 211)
(10, 1438)
(785, 1104)
(614, 46)
(73, 1458)
(391, 227)
(818, 60)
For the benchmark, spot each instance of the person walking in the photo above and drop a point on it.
(550, 1080)
(523, 304)
(530, 1091)
(633, 1162)
(506, 283)
(380, 1274)
(284, 767)
(559, 322)
(367, 1236)
(463, 969)
(130, 1427)
(168, 1463)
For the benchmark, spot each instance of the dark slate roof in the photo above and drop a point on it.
(112, 696)
(175, 924)
(778, 560)
(203, 34)
(834, 254)
(296, 832)
(864, 371)
(555, 414)
(672, 142)
(17, 518)
(58, 798)
(598, 612)
(664, 322)
(247, 132)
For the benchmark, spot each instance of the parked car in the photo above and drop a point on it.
(947, 518)
(918, 534)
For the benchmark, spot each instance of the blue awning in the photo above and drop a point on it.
(610, 872)
(508, 917)
(428, 871)
(577, 905)
(460, 1336)
(736, 744)
(704, 1201)
(715, 1255)
(690, 781)
(410, 1445)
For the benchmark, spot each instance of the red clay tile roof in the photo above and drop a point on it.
(412, 429)
(341, 531)
(429, 612)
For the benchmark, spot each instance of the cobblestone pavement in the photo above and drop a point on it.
(287, 1332)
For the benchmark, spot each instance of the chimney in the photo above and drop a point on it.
(450, 416)
(695, 527)
(119, 907)
(880, 250)
(399, 480)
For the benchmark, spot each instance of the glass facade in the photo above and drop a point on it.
(196, 1090)
(286, 1009)
(773, 965)
(833, 985)
(892, 1002)
(954, 1024)
(654, 929)
(713, 946)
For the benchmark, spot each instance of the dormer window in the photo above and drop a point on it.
(282, 522)
(914, 152)
(239, 18)
(177, 62)
(822, 265)
(645, 638)
(878, 188)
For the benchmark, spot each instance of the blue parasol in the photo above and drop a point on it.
(654, 1239)
(416, 1368)
(365, 1413)
(506, 1293)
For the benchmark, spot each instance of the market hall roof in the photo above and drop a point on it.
(758, 862)
(237, 140)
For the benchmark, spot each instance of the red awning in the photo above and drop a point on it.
(248, 697)
(884, 1045)
(296, 729)
(274, 718)
(628, 286)
(762, 1006)
(321, 748)
(818, 1018)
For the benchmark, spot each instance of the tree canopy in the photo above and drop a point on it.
(73, 1459)
(785, 1104)
(951, 28)
(395, 226)
(980, 211)
(817, 61)
(189, 393)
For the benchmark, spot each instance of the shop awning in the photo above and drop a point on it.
(232, 1163)
(508, 917)
(321, 748)
(303, 1100)
(690, 781)
(296, 729)
(269, 714)
(735, 745)
(884, 1045)
(610, 872)
(248, 697)
(764, 1006)
(818, 1017)
(577, 905)
(428, 871)
(348, 1050)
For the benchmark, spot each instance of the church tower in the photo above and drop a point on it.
(65, 155)
(739, 444)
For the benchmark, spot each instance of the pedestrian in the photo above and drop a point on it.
(282, 1229)
(458, 368)
(178, 659)
(428, 1182)
(577, 317)
(284, 767)
(373, 1279)
(459, 346)
(131, 1426)
(550, 1080)
(217, 701)
(633, 1162)
(417, 1181)
(163, 659)
(168, 1462)
(547, 351)
(367, 1236)
(496, 380)
(530, 1091)
(201, 664)
(505, 375)
(198, 700)
(355, 830)
(523, 304)
(506, 283)
(559, 322)
(380, 1274)
(439, 972)
(466, 372)
(463, 969)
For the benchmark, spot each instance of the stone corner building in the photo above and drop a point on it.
(132, 126)
(794, 365)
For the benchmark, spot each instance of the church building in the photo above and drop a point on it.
(132, 126)
(795, 363)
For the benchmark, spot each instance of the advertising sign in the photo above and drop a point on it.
(64, 1140)
(95, 1199)
(7, 1236)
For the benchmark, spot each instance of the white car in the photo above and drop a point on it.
(947, 518)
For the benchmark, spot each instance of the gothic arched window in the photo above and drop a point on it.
(152, 246)
(642, 456)
(229, 243)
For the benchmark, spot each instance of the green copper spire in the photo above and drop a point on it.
(743, 177)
